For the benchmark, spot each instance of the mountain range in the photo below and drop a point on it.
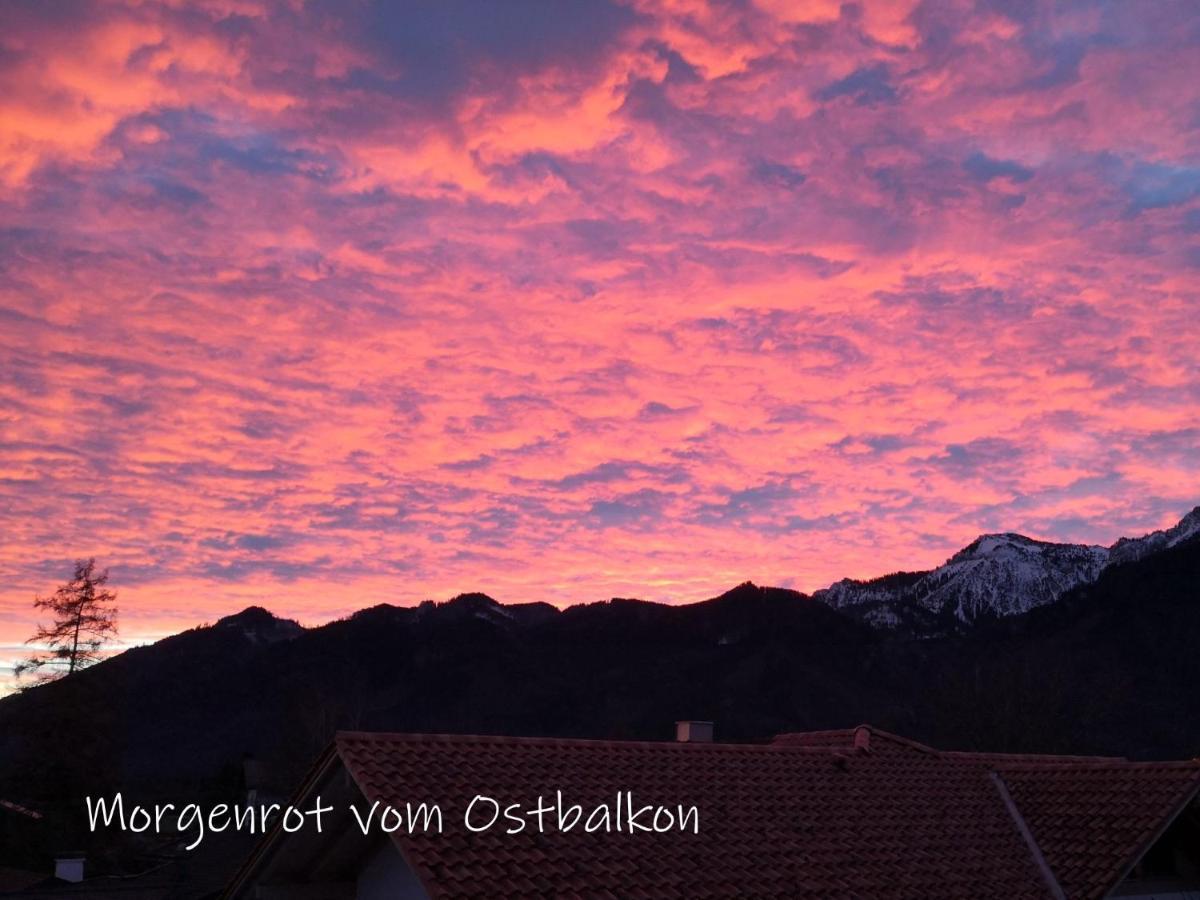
(1011, 645)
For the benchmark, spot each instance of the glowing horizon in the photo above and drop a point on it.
(317, 306)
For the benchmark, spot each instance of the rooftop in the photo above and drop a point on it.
(854, 812)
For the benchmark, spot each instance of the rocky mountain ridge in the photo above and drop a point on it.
(994, 576)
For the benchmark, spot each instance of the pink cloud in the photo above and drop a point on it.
(319, 310)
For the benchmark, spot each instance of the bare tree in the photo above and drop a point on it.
(84, 620)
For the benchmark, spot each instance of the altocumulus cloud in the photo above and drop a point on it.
(534, 297)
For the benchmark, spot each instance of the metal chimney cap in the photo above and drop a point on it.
(69, 867)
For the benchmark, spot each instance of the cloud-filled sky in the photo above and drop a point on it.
(320, 305)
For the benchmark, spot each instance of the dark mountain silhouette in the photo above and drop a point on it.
(1108, 668)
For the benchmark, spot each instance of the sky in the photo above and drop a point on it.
(319, 305)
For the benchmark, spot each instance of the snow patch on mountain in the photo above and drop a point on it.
(1132, 549)
(995, 575)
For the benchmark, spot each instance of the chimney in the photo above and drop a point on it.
(690, 731)
(69, 867)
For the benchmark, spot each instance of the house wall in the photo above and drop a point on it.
(386, 876)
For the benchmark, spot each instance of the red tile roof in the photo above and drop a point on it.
(1094, 822)
(856, 813)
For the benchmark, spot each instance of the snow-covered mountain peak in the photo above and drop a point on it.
(1006, 544)
(1006, 574)
(999, 574)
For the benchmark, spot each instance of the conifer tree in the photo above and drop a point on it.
(84, 620)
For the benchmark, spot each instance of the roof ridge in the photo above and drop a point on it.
(1039, 859)
(897, 739)
(821, 732)
(857, 737)
(1106, 765)
(1063, 757)
(522, 740)
(13, 806)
